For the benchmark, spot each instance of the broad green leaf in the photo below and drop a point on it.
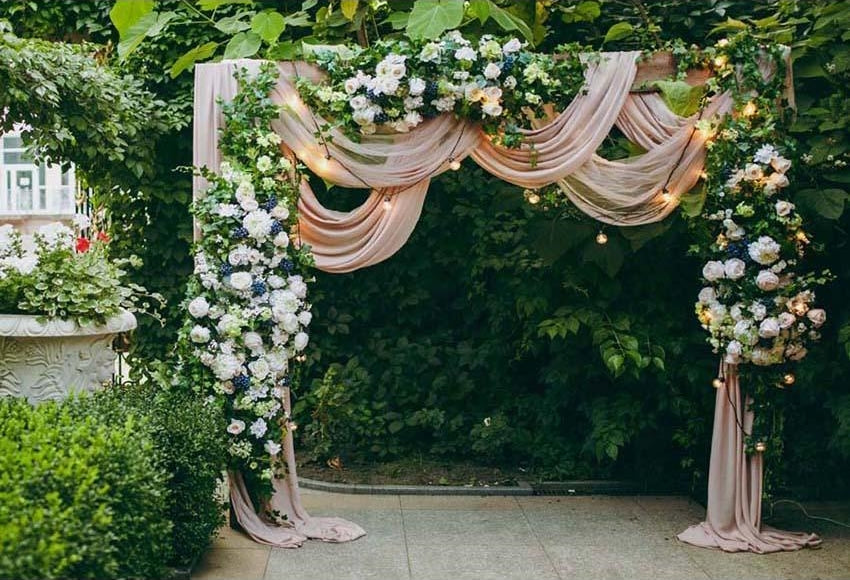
(554, 238)
(349, 8)
(828, 203)
(510, 22)
(134, 35)
(583, 12)
(479, 9)
(215, 4)
(232, 24)
(640, 235)
(125, 13)
(398, 20)
(298, 19)
(202, 52)
(431, 18)
(693, 201)
(286, 50)
(161, 21)
(680, 97)
(268, 25)
(609, 257)
(618, 31)
(243, 45)
(731, 25)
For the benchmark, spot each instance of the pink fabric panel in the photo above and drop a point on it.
(733, 514)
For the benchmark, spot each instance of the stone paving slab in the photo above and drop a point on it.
(546, 538)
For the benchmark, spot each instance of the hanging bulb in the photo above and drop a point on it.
(388, 203)
(718, 383)
(788, 379)
(761, 446)
(601, 238)
(454, 164)
(301, 358)
(749, 109)
(292, 426)
(532, 196)
(666, 196)
(703, 175)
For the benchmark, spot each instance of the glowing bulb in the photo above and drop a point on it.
(454, 164)
(601, 238)
(718, 383)
(533, 198)
(703, 175)
(801, 237)
(720, 61)
(788, 379)
(301, 357)
(293, 426)
(761, 446)
(749, 109)
(388, 203)
(666, 196)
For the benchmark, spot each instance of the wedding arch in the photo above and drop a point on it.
(392, 118)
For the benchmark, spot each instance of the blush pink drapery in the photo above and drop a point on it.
(400, 166)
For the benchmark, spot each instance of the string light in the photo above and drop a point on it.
(801, 237)
(666, 196)
(301, 357)
(720, 61)
(454, 164)
(718, 383)
(293, 426)
(388, 203)
(601, 238)
(703, 175)
(788, 379)
(531, 196)
(761, 446)
(749, 109)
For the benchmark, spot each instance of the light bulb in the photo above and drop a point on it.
(292, 426)
(703, 175)
(749, 109)
(666, 196)
(789, 379)
(533, 198)
(601, 238)
(761, 446)
(720, 61)
(454, 164)
(718, 383)
(388, 203)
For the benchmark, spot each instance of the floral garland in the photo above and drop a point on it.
(247, 301)
(757, 306)
(394, 85)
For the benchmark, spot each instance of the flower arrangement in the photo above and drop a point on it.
(395, 85)
(67, 275)
(247, 301)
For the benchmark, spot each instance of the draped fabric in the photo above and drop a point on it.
(397, 169)
(733, 515)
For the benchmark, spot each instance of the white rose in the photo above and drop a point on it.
(767, 280)
(784, 208)
(780, 164)
(513, 45)
(430, 52)
(258, 223)
(358, 102)
(491, 108)
(226, 366)
(289, 322)
(817, 316)
(734, 268)
(305, 317)
(280, 212)
(281, 240)
(707, 295)
(259, 369)
(199, 307)
(297, 286)
(758, 310)
(199, 334)
(249, 204)
(764, 250)
(240, 280)
(492, 71)
(713, 271)
(753, 171)
(300, 341)
(416, 86)
(253, 341)
(733, 352)
(465, 53)
(278, 361)
(276, 281)
(769, 328)
(236, 427)
(786, 320)
(351, 85)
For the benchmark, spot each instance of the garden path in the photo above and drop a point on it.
(457, 538)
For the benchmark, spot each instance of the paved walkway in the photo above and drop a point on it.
(539, 538)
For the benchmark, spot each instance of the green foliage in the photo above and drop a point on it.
(79, 497)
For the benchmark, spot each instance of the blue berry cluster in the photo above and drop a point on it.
(241, 381)
(258, 287)
(381, 118)
(508, 63)
(276, 228)
(239, 233)
(225, 269)
(738, 250)
(287, 265)
(269, 204)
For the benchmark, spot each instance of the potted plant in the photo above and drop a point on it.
(62, 302)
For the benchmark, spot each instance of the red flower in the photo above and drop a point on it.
(103, 237)
(83, 245)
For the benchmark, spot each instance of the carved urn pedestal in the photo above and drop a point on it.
(51, 359)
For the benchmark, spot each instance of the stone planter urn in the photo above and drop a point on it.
(51, 359)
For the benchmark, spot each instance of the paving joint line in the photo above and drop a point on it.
(404, 536)
(537, 537)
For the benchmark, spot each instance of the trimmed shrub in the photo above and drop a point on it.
(79, 497)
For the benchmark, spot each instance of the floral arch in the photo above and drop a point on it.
(391, 118)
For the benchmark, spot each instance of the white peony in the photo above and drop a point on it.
(513, 45)
(416, 86)
(767, 280)
(199, 334)
(258, 223)
(289, 322)
(278, 361)
(734, 268)
(817, 316)
(297, 286)
(259, 369)
(492, 71)
(240, 280)
(765, 250)
(226, 366)
(305, 317)
(253, 341)
(236, 427)
(707, 295)
(276, 281)
(769, 328)
(300, 341)
(713, 271)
